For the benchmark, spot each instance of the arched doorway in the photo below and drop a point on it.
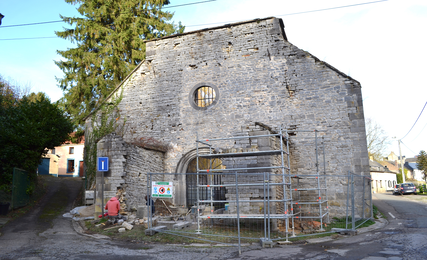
(186, 188)
(205, 193)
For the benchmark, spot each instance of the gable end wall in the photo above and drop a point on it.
(261, 78)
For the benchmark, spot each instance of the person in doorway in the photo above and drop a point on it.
(149, 202)
(113, 207)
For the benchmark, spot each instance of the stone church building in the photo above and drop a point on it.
(240, 79)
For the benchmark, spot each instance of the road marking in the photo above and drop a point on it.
(391, 215)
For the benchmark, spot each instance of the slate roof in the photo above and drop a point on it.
(377, 167)
(411, 166)
(391, 165)
(411, 160)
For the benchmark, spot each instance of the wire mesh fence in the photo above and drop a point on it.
(251, 208)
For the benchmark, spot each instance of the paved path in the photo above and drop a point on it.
(402, 236)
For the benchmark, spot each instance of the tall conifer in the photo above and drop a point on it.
(422, 163)
(110, 39)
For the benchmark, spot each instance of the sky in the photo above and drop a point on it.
(381, 44)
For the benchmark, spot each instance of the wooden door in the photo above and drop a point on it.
(81, 169)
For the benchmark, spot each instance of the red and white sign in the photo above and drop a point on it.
(162, 189)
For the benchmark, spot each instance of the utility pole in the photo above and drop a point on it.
(401, 162)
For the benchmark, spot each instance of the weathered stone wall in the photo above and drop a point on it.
(127, 175)
(261, 77)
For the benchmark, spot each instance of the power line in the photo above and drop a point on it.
(26, 24)
(195, 3)
(419, 133)
(58, 21)
(304, 12)
(332, 8)
(33, 38)
(407, 147)
(318, 10)
(415, 121)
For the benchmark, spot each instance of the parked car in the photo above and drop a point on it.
(396, 189)
(407, 188)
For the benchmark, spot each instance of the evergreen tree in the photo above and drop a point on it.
(110, 43)
(422, 163)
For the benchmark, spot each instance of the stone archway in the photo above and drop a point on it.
(186, 191)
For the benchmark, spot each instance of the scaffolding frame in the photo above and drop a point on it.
(289, 203)
(320, 186)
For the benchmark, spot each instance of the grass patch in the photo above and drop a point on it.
(215, 234)
(377, 213)
(341, 223)
(55, 206)
(137, 234)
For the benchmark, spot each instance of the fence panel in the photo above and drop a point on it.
(252, 210)
(20, 197)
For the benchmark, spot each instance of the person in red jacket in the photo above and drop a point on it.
(113, 207)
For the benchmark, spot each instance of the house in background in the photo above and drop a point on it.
(414, 173)
(392, 157)
(64, 161)
(383, 180)
(392, 166)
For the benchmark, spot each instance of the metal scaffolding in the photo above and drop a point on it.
(290, 191)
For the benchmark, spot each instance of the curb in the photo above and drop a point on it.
(379, 223)
(80, 230)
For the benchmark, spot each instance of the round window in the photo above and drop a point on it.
(203, 96)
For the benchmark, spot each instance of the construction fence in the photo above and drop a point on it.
(224, 212)
(21, 182)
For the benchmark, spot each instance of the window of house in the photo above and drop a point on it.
(71, 150)
(70, 165)
(203, 96)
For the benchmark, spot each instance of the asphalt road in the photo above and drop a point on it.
(39, 236)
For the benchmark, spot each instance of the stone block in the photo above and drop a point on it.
(142, 212)
(127, 225)
(181, 225)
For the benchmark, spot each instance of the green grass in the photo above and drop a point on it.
(377, 212)
(219, 234)
(137, 234)
(55, 206)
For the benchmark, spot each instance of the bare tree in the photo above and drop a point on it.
(377, 139)
(12, 89)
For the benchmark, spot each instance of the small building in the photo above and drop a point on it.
(394, 158)
(383, 180)
(414, 173)
(64, 161)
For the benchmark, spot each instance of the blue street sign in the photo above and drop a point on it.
(103, 164)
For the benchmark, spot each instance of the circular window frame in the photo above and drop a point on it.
(193, 92)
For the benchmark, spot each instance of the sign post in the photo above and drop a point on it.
(102, 166)
(162, 189)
